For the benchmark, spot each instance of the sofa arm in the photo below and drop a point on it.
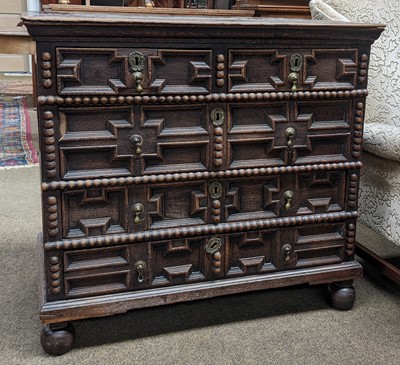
(322, 11)
(382, 140)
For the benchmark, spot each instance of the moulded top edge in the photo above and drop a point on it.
(161, 19)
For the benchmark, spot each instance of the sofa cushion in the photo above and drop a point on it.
(382, 140)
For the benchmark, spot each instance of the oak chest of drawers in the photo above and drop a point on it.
(191, 157)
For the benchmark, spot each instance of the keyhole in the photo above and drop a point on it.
(218, 116)
(137, 60)
(215, 190)
(213, 245)
(296, 62)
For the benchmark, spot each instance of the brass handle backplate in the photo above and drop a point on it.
(140, 266)
(287, 250)
(136, 141)
(288, 197)
(137, 210)
(296, 63)
(136, 61)
(290, 133)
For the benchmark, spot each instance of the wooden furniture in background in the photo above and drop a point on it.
(18, 41)
(148, 11)
(220, 158)
(278, 8)
(71, 2)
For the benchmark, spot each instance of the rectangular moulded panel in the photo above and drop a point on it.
(320, 244)
(96, 271)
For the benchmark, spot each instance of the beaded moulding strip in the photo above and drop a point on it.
(194, 176)
(209, 229)
(217, 97)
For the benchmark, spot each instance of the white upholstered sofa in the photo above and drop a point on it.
(379, 198)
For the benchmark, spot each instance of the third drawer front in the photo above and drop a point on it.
(134, 209)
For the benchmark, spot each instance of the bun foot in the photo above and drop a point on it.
(342, 297)
(57, 339)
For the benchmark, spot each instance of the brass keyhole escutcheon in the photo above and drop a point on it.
(217, 117)
(287, 250)
(296, 62)
(137, 142)
(288, 198)
(140, 266)
(215, 190)
(290, 133)
(137, 210)
(213, 245)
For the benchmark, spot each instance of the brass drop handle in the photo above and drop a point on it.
(138, 78)
(137, 210)
(137, 142)
(290, 133)
(294, 78)
(140, 266)
(287, 250)
(288, 197)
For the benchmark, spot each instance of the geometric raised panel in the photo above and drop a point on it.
(251, 138)
(94, 212)
(175, 138)
(174, 206)
(255, 70)
(90, 71)
(325, 133)
(251, 252)
(321, 192)
(100, 135)
(331, 69)
(174, 263)
(248, 200)
(180, 71)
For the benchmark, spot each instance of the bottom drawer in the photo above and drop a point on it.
(99, 271)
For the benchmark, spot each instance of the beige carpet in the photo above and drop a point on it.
(285, 326)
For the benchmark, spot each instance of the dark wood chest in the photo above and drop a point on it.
(189, 157)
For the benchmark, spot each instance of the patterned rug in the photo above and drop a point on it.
(16, 147)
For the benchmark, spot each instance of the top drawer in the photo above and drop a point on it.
(269, 70)
(111, 71)
(129, 71)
